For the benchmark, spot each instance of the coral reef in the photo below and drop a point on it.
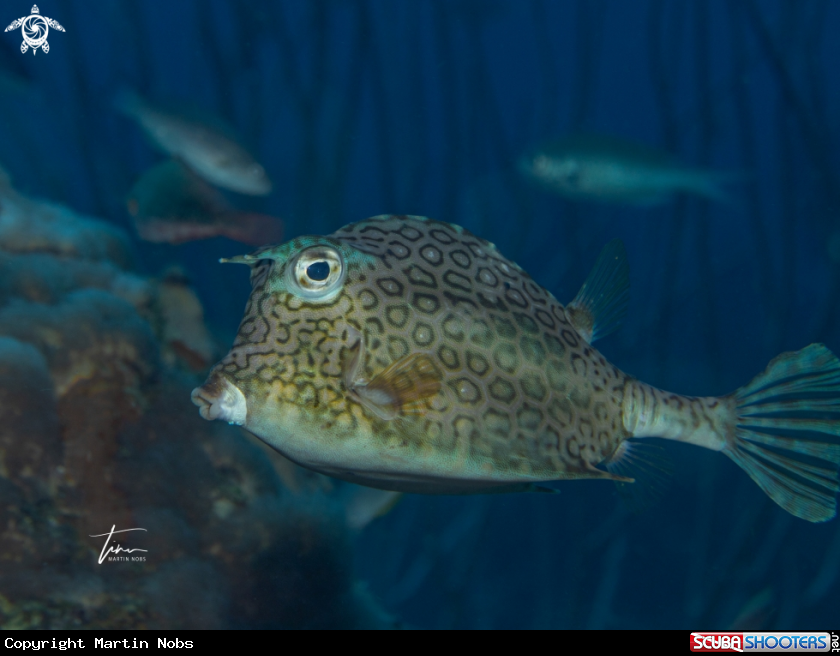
(36, 226)
(181, 327)
(97, 431)
(47, 279)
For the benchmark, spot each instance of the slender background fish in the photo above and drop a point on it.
(408, 354)
(206, 149)
(610, 169)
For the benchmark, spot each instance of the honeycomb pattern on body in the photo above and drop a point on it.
(522, 392)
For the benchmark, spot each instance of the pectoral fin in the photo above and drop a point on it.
(402, 388)
(351, 359)
(602, 301)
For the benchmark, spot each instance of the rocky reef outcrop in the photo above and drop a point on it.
(97, 433)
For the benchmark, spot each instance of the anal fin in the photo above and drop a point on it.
(601, 303)
(642, 472)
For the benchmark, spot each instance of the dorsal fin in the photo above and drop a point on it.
(601, 303)
(401, 388)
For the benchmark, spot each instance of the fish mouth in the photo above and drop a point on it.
(220, 399)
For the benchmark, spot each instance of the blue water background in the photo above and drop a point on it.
(364, 107)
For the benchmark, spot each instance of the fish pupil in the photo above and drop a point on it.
(318, 271)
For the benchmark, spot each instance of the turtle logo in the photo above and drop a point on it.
(34, 29)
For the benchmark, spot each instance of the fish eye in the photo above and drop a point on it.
(316, 273)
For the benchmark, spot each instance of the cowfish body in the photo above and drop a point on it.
(437, 365)
(407, 354)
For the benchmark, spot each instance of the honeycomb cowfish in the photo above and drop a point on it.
(613, 170)
(407, 354)
(204, 145)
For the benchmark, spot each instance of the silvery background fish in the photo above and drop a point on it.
(206, 149)
(408, 354)
(609, 169)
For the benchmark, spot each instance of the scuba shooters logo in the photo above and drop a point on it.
(785, 642)
(34, 29)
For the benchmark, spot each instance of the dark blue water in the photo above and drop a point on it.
(364, 107)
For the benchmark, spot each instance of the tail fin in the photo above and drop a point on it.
(786, 435)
